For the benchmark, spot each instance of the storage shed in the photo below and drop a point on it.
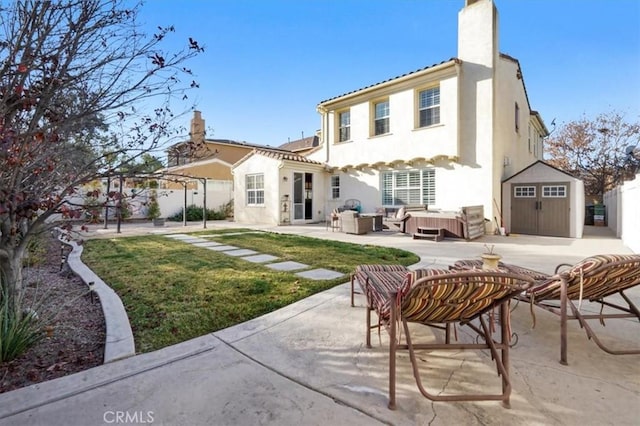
(543, 200)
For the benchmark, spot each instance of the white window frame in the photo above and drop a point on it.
(401, 187)
(383, 118)
(254, 185)
(524, 191)
(335, 187)
(344, 129)
(429, 101)
(554, 191)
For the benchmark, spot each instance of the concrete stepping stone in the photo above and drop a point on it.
(287, 266)
(193, 240)
(240, 252)
(178, 236)
(320, 274)
(260, 258)
(207, 244)
(221, 248)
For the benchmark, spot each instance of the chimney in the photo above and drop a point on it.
(478, 33)
(197, 128)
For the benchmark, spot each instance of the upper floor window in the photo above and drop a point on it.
(381, 121)
(517, 117)
(255, 189)
(429, 107)
(335, 187)
(344, 128)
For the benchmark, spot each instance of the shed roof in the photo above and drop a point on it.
(543, 163)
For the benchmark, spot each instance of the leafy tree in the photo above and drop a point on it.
(147, 163)
(81, 86)
(594, 151)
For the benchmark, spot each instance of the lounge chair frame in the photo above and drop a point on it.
(558, 293)
(440, 300)
(594, 279)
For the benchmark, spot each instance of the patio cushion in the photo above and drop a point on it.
(453, 298)
(381, 285)
(593, 278)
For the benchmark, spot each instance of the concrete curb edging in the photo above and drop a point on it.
(119, 341)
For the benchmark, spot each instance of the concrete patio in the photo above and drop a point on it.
(306, 364)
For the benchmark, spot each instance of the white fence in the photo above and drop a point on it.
(171, 201)
(623, 206)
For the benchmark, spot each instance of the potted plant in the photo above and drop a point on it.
(489, 258)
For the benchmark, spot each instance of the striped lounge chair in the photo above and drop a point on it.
(592, 279)
(439, 298)
(396, 272)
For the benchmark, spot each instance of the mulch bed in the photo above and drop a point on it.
(75, 324)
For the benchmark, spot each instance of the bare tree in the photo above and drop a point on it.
(80, 87)
(594, 150)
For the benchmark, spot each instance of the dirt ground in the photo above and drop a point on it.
(74, 324)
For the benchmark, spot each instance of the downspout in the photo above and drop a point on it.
(325, 134)
(459, 106)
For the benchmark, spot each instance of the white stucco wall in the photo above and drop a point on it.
(477, 128)
(512, 151)
(630, 218)
(408, 141)
(467, 148)
(278, 182)
(262, 214)
(320, 190)
(622, 212)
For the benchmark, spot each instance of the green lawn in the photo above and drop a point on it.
(174, 291)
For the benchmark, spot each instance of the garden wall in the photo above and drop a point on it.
(622, 211)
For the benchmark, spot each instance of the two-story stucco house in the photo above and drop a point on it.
(445, 136)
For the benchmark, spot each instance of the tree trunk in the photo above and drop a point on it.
(12, 279)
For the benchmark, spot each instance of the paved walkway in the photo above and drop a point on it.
(253, 256)
(306, 364)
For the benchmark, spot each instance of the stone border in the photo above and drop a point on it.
(119, 341)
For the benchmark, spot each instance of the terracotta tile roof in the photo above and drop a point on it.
(218, 141)
(283, 155)
(456, 60)
(301, 144)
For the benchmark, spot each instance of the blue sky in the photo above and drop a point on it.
(268, 63)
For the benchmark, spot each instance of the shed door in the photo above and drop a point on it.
(541, 209)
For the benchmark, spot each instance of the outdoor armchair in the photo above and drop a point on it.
(398, 221)
(352, 223)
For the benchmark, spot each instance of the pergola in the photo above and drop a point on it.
(180, 178)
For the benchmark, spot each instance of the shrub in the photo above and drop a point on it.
(153, 209)
(125, 209)
(18, 330)
(93, 209)
(194, 213)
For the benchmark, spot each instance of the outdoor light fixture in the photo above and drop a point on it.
(91, 285)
